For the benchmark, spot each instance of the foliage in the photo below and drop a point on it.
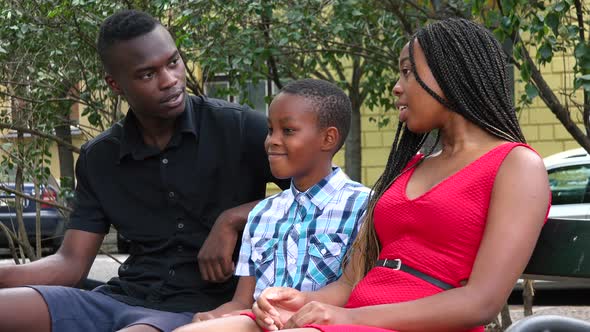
(348, 42)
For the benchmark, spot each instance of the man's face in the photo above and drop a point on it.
(149, 73)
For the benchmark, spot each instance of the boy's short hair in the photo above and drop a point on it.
(331, 104)
(122, 26)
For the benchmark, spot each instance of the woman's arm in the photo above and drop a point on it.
(517, 211)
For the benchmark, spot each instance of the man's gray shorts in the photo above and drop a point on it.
(75, 310)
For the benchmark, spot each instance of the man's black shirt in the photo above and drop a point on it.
(165, 202)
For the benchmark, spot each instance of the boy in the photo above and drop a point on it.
(298, 237)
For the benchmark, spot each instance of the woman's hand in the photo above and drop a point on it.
(276, 305)
(321, 314)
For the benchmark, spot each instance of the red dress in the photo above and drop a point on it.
(437, 233)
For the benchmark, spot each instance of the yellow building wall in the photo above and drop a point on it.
(541, 128)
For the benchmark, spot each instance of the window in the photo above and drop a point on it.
(254, 94)
(570, 185)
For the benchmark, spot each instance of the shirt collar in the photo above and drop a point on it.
(322, 192)
(132, 142)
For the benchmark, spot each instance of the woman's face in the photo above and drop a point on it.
(418, 109)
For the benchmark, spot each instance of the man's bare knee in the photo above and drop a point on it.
(23, 309)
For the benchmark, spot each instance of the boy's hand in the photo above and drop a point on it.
(276, 305)
(203, 316)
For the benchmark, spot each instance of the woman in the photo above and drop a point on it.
(447, 235)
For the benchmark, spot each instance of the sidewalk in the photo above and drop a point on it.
(579, 312)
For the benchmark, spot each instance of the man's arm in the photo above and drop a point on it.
(215, 257)
(67, 267)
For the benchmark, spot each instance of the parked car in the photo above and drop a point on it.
(52, 221)
(569, 180)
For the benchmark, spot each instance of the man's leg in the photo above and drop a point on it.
(23, 309)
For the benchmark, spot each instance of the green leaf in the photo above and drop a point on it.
(525, 72)
(531, 91)
(508, 5)
(560, 6)
(580, 50)
(577, 83)
(545, 53)
(552, 21)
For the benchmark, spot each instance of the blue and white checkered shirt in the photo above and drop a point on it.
(298, 239)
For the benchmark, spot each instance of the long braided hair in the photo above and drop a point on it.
(469, 65)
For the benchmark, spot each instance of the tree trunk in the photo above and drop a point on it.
(528, 293)
(66, 157)
(352, 153)
(18, 203)
(38, 249)
(551, 100)
(506, 319)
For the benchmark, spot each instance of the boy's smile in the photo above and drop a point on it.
(295, 144)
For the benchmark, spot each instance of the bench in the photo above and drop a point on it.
(562, 253)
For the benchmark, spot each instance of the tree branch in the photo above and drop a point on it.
(38, 133)
(32, 198)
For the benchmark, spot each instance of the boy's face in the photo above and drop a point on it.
(149, 73)
(295, 145)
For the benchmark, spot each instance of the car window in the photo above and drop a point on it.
(570, 184)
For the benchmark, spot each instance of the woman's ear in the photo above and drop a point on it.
(331, 139)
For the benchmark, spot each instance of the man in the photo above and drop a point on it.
(177, 177)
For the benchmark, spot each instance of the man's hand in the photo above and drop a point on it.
(215, 257)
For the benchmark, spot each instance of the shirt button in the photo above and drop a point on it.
(323, 251)
(164, 161)
(124, 267)
(171, 194)
(171, 273)
(291, 261)
(179, 248)
(180, 225)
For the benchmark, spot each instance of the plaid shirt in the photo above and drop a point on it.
(298, 239)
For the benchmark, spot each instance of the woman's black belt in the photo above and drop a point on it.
(396, 264)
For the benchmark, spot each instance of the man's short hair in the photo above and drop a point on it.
(331, 104)
(122, 26)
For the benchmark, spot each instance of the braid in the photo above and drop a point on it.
(402, 151)
(469, 66)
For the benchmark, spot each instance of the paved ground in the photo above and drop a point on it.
(580, 312)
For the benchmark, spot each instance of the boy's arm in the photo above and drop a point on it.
(243, 299)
